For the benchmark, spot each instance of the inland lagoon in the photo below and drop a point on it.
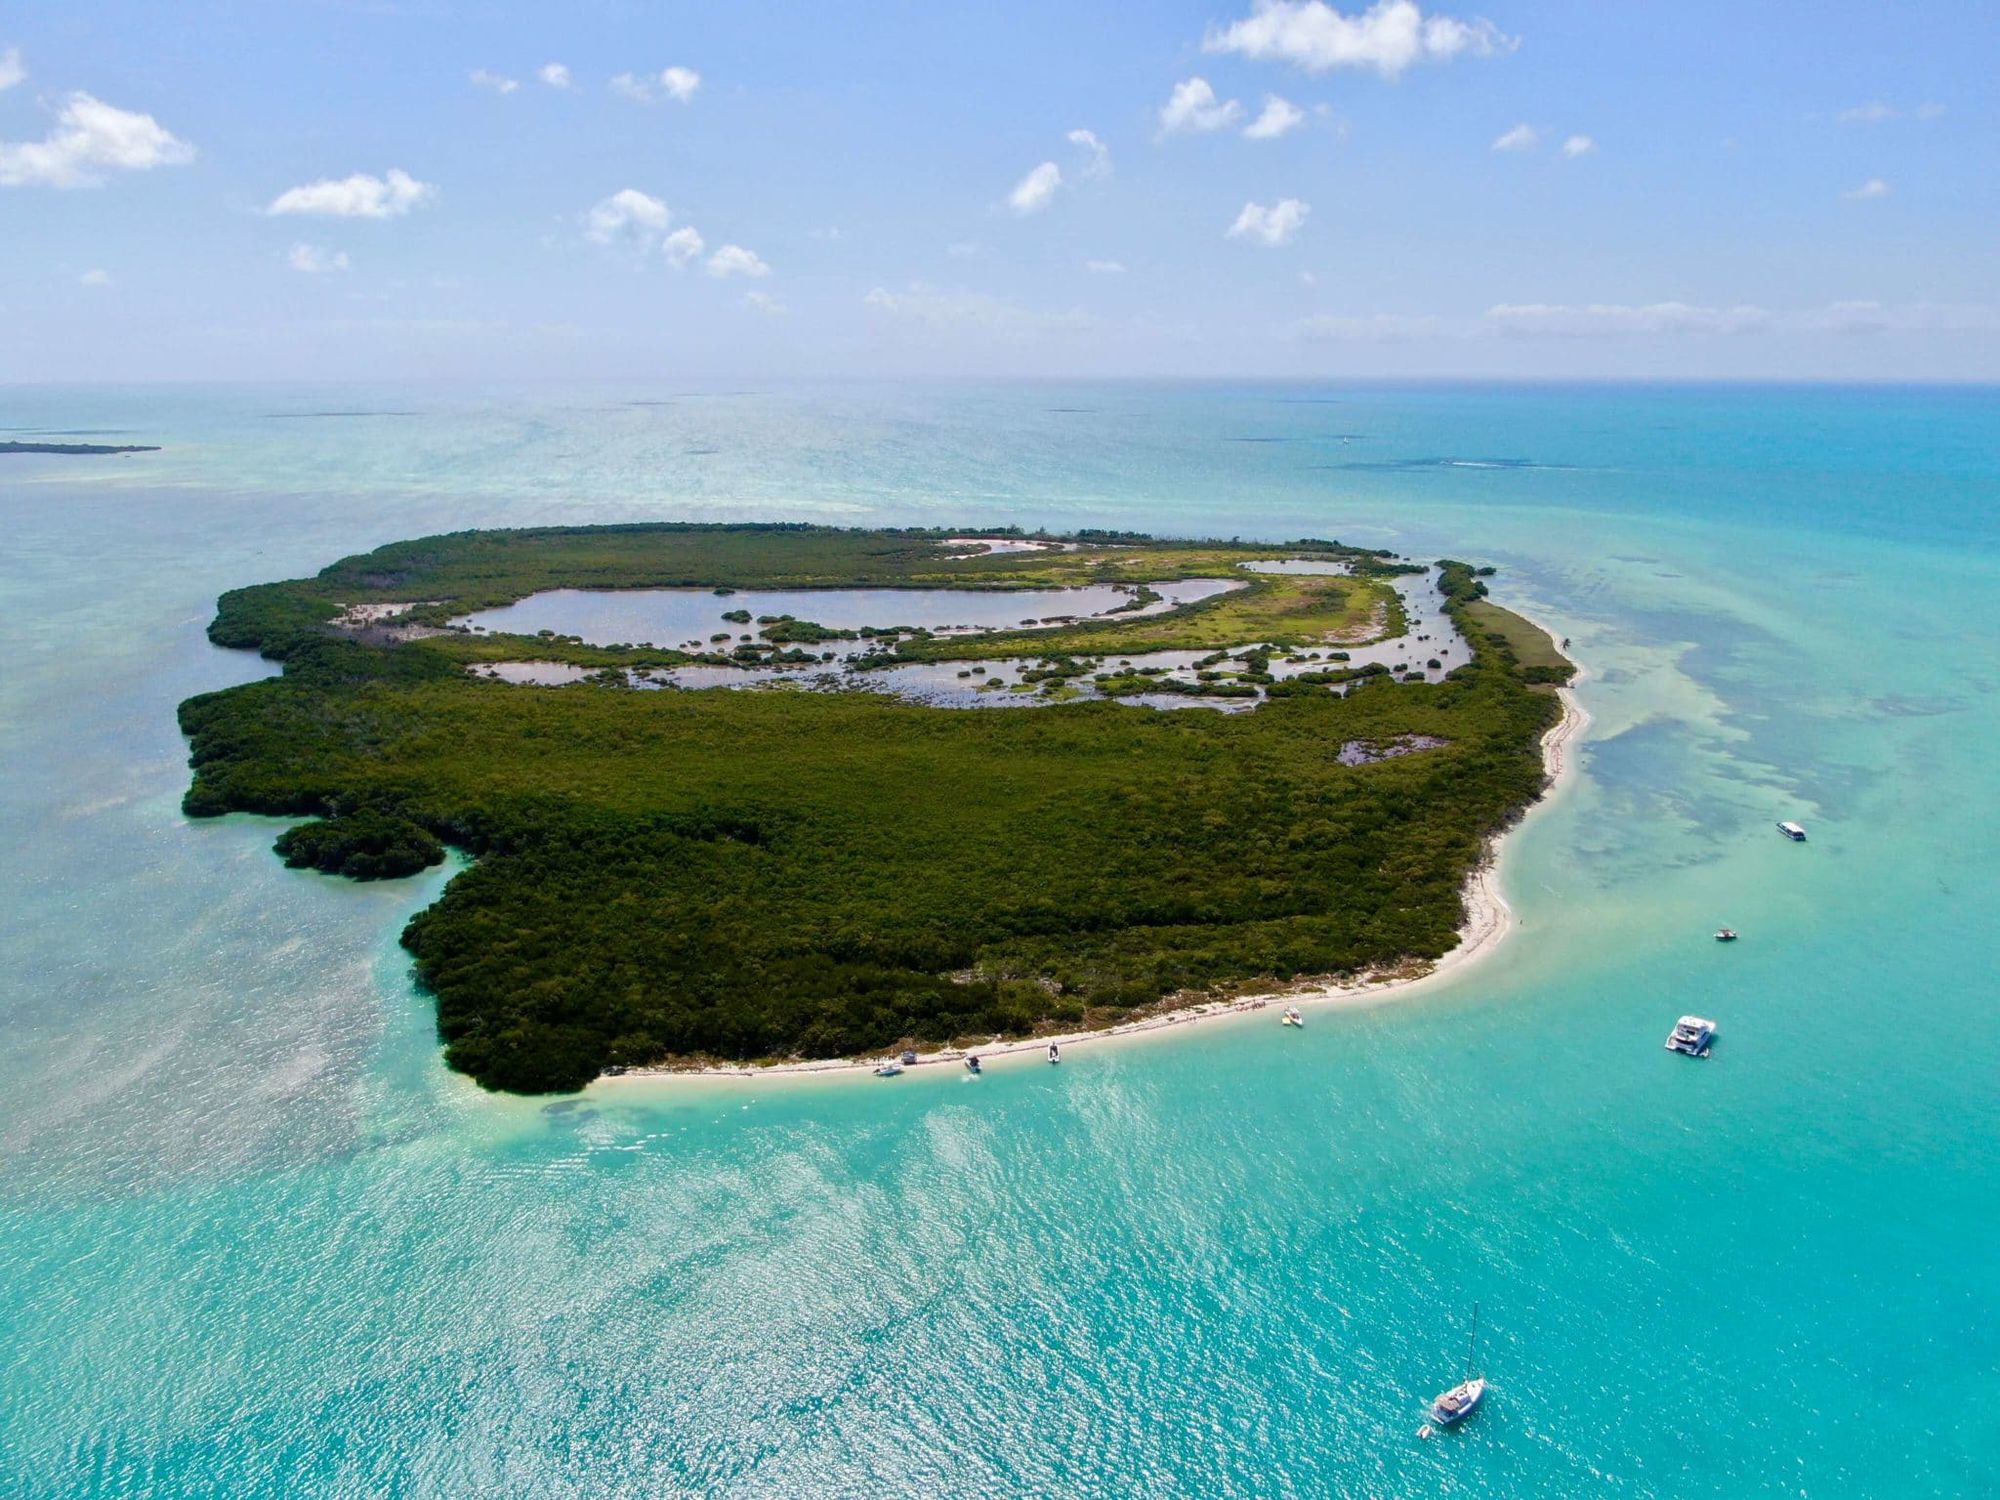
(256, 1237)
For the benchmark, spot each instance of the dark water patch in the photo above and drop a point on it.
(288, 416)
(1071, 411)
(699, 452)
(1903, 706)
(651, 403)
(1260, 440)
(1368, 752)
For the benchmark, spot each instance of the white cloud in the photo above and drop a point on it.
(1034, 192)
(676, 83)
(357, 197)
(1193, 107)
(683, 247)
(1271, 226)
(1105, 267)
(1522, 137)
(1390, 36)
(961, 249)
(494, 81)
(314, 261)
(1279, 117)
(554, 74)
(90, 135)
(1601, 318)
(977, 312)
(1579, 145)
(1875, 112)
(829, 233)
(628, 216)
(1874, 187)
(1375, 328)
(12, 69)
(765, 303)
(98, 277)
(1099, 164)
(734, 260)
(1617, 320)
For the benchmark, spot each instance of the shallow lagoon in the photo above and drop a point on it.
(684, 617)
(597, 616)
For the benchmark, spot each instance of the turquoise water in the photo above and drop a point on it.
(255, 1241)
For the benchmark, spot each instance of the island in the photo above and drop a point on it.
(77, 449)
(1159, 770)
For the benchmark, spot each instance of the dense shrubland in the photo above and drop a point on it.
(756, 875)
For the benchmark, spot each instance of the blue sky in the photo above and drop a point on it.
(205, 190)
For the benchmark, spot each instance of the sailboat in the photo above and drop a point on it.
(1458, 1403)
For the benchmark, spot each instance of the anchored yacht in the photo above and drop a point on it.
(1693, 1035)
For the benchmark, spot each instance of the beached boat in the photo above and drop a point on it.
(889, 1070)
(1725, 934)
(972, 1065)
(1693, 1035)
(1458, 1403)
(1796, 832)
(909, 1059)
(1055, 1052)
(1292, 1016)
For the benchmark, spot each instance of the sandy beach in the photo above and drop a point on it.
(1488, 920)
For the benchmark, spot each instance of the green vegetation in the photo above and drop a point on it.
(362, 845)
(77, 449)
(756, 875)
(1529, 646)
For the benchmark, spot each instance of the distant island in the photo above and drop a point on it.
(78, 448)
(668, 869)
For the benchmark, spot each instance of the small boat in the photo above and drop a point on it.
(1458, 1403)
(1055, 1052)
(1292, 1016)
(909, 1059)
(1725, 934)
(1693, 1035)
(889, 1070)
(972, 1065)
(1796, 832)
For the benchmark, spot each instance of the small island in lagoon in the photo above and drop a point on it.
(77, 450)
(913, 829)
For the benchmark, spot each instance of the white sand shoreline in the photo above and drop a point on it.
(1488, 921)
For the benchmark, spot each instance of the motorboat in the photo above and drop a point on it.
(972, 1065)
(1725, 934)
(1292, 1016)
(1693, 1035)
(1055, 1052)
(1796, 832)
(889, 1070)
(909, 1059)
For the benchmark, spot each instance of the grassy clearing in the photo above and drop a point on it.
(1533, 648)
